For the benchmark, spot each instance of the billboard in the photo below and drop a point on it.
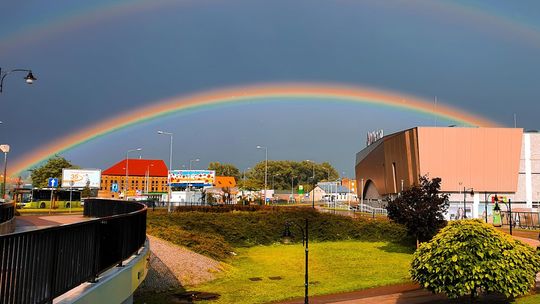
(79, 178)
(180, 178)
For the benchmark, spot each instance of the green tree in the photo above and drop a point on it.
(280, 173)
(52, 168)
(86, 191)
(225, 169)
(420, 208)
(468, 257)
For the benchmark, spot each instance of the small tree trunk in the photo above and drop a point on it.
(417, 243)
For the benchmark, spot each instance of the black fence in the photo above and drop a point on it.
(525, 220)
(37, 266)
(7, 210)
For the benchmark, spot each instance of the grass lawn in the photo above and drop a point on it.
(334, 267)
(534, 299)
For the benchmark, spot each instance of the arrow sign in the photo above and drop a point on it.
(114, 187)
(53, 182)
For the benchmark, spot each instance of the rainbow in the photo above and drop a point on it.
(243, 95)
(489, 21)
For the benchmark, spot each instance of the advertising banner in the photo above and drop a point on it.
(182, 178)
(79, 178)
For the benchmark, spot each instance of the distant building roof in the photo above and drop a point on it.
(225, 182)
(139, 167)
(330, 187)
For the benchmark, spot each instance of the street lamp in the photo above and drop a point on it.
(126, 186)
(29, 79)
(273, 175)
(5, 149)
(286, 238)
(313, 177)
(193, 160)
(189, 185)
(265, 169)
(464, 200)
(170, 167)
(292, 189)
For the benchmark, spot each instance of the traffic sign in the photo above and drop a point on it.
(114, 187)
(53, 182)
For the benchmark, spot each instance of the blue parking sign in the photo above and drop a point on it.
(53, 182)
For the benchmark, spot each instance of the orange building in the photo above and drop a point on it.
(144, 176)
(471, 160)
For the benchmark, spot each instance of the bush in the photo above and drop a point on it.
(420, 208)
(468, 257)
(244, 229)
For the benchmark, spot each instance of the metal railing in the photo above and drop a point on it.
(525, 220)
(363, 208)
(7, 211)
(38, 265)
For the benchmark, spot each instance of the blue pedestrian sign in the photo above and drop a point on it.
(114, 187)
(53, 182)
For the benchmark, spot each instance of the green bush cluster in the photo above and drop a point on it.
(204, 231)
(469, 257)
(223, 208)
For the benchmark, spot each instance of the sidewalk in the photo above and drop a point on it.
(32, 222)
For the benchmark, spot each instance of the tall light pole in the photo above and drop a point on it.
(170, 168)
(464, 200)
(189, 185)
(126, 186)
(193, 160)
(313, 177)
(292, 189)
(273, 175)
(5, 149)
(265, 169)
(29, 79)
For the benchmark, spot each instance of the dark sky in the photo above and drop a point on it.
(97, 60)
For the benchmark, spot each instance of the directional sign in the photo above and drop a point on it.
(53, 182)
(114, 187)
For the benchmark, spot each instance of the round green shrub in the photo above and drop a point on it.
(468, 257)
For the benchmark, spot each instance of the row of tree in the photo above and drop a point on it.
(281, 174)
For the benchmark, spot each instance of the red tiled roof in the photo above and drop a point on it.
(225, 181)
(138, 167)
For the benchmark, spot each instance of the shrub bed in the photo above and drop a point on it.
(215, 234)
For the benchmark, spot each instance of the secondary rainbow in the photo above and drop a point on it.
(239, 95)
(492, 22)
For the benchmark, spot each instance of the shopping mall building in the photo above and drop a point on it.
(475, 164)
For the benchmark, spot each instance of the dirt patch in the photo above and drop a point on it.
(174, 267)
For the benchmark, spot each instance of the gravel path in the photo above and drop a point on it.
(174, 267)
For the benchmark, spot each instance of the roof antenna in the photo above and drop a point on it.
(515, 120)
(435, 111)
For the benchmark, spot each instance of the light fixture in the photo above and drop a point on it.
(30, 78)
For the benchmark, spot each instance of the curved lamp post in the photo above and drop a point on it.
(29, 79)
(286, 238)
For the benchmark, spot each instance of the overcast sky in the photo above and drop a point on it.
(98, 59)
